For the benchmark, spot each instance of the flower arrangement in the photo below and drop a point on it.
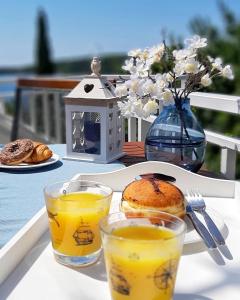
(140, 95)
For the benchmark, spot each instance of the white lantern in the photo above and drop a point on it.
(94, 125)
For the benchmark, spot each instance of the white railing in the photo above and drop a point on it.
(5, 120)
(229, 146)
(5, 94)
(53, 116)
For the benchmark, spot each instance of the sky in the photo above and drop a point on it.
(93, 27)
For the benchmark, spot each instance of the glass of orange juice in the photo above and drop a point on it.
(74, 209)
(142, 251)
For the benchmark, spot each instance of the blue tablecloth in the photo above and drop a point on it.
(21, 192)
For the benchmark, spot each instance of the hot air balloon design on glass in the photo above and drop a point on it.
(83, 235)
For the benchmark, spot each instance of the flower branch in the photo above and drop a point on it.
(141, 94)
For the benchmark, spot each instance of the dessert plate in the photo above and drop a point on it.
(50, 161)
(193, 242)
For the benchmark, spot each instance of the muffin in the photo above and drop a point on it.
(153, 194)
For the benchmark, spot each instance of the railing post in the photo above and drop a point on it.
(132, 130)
(16, 117)
(143, 127)
(33, 112)
(46, 116)
(58, 117)
(2, 106)
(228, 162)
(183, 83)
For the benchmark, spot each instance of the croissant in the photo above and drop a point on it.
(41, 152)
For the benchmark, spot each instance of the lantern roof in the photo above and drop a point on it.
(94, 86)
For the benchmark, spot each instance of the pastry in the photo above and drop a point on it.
(40, 153)
(16, 152)
(153, 194)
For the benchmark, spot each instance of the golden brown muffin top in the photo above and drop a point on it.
(153, 193)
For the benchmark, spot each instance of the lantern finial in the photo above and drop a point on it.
(96, 66)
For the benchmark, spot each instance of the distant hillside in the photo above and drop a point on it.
(111, 64)
(11, 70)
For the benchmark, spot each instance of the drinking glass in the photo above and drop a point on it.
(142, 251)
(74, 209)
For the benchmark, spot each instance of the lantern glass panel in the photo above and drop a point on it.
(86, 132)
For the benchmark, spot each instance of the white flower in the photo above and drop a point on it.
(184, 53)
(150, 107)
(157, 52)
(149, 87)
(142, 68)
(137, 109)
(125, 108)
(132, 107)
(158, 49)
(179, 68)
(191, 66)
(144, 55)
(217, 64)
(133, 85)
(180, 54)
(141, 82)
(121, 90)
(210, 58)
(169, 77)
(206, 80)
(149, 62)
(196, 42)
(134, 52)
(227, 72)
(161, 81)
(156, 58)
(167, 95)
(129, 66)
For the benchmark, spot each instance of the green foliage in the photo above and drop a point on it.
(9, 108)
(44, 64)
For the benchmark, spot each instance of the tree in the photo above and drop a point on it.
(43, 65)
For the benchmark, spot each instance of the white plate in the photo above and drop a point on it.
(50, 161)
(193, 242)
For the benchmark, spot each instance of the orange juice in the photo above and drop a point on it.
(142, 262)
(74, 219)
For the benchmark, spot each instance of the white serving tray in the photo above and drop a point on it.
(29, 271)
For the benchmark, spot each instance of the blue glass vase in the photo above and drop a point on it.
(176, 137)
